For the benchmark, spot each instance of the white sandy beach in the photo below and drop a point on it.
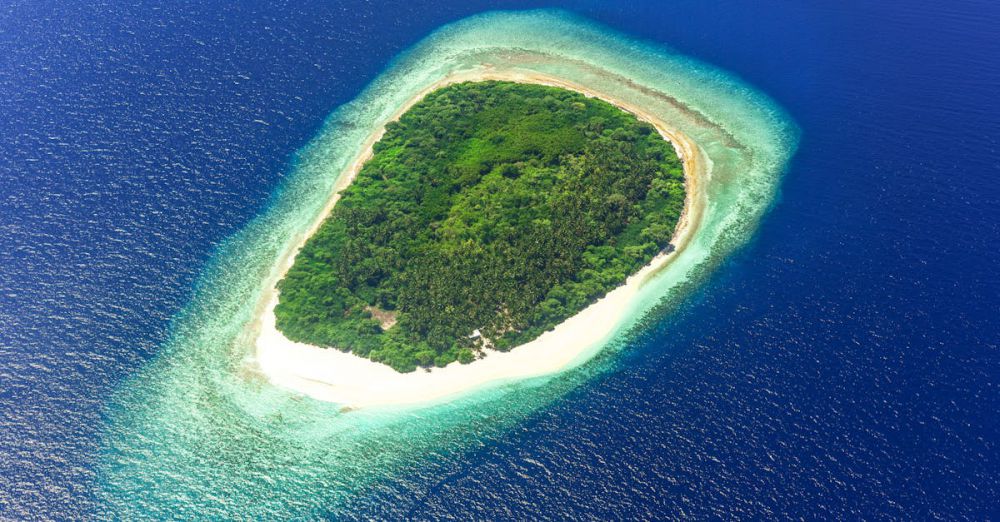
(344, 378)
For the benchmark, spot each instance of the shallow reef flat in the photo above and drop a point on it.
(213, 386)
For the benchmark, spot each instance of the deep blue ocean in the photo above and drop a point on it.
(845, 364)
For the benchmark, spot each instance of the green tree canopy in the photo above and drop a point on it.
(489, 213)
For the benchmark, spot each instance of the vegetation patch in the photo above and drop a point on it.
(489, 213)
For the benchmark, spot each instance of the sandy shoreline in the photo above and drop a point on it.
(344, 378)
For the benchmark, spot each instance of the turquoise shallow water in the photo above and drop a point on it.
(199, 433)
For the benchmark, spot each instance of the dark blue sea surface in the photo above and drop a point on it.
(844, 364)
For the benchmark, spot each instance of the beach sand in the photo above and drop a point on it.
(354, 382)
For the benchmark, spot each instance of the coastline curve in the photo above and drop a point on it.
(351, 381)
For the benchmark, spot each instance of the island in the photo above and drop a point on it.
(346, 375)
(489, 213)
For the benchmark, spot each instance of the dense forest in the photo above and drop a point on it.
(489, 213)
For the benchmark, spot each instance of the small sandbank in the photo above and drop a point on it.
(355, 382)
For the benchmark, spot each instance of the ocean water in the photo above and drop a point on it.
(843, 363)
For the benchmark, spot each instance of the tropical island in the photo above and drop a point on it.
(489, 213)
